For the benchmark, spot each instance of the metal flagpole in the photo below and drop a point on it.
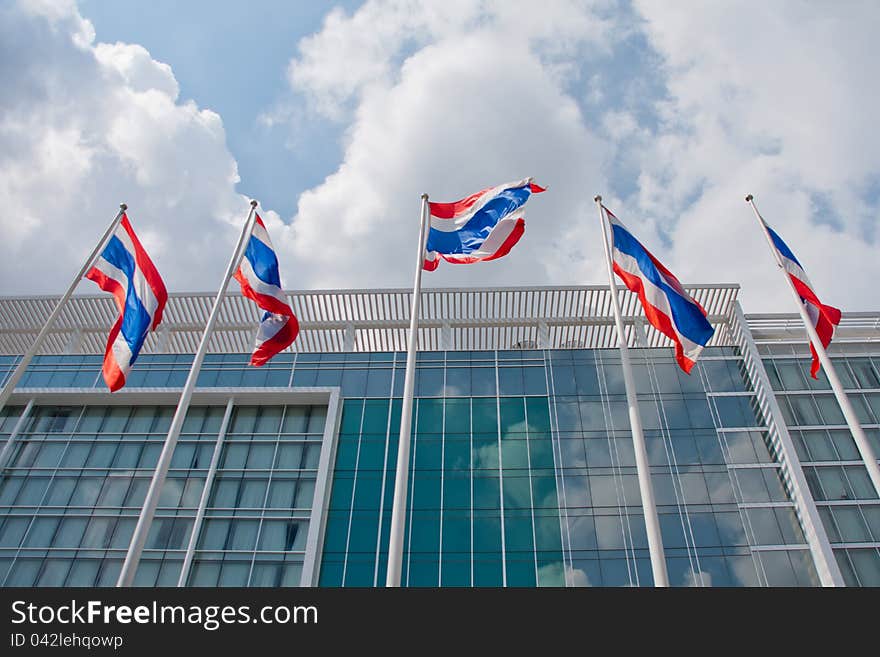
(139, 538)
(26, 359)
(398, 509)
(652, 522)
(849, 412)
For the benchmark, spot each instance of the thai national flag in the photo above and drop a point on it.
(125, 270)
(824, 318)
(483, 226)
(670, 309)
(260, 281)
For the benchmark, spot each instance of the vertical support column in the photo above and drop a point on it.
(500, 473)
(804, 504)
(164, 338)
(640, 332)
(446, 337)
(321, 501)
(206, 493)
(75, 342)
(543, 335)
(348, 340)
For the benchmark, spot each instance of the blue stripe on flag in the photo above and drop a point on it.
(686, 316)
(135, 318)
(470, 237)
(782, 247)
(263, 261)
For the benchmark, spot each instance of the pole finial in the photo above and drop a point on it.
(254, 203)
(123, 207)
(424, 197)
(597, 198)
(749, 198)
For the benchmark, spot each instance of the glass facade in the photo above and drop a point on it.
(837, 477)
(522, 471)
(77, 477)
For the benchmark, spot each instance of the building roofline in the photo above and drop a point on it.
(368, 319)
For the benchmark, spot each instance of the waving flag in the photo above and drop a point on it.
(824, 318)
(125, 270)
(483, 226)
(670, 309)
(260, 281)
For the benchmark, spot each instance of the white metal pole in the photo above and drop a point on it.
(398, 509)
(852, 420)
(29, 354)
(139, 538)
(643, 469)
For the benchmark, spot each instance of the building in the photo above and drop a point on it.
(523, 470)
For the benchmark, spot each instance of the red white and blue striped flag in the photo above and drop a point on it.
(483, 226)
(260, 281)
(668, 308)
(125, 270)
(824, 318)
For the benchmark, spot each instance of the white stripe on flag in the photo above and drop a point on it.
(657, 298)
(113, 272)
(141, 287)
(121, 350)
(452, 225)
(122, 353)
(792, 268)
(270, 327)
(260, 233)
(495, 240)
(258, 285)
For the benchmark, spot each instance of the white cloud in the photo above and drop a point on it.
(576, 577)
(698, 578)
(478, 100)
(772, 99)
(744, 110)
(90, 125)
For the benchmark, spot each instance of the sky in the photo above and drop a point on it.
(336, 117)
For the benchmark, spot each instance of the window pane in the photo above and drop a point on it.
(851, 524)
(804, 410)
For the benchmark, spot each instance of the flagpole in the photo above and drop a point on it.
(849, 412)
(398, 509)
(643, 469)
(145, 520)
(38, 341)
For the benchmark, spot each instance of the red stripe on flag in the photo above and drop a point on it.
(149, 271)
(673, 278)
(659, 320)
(264, 301)
(828, 318)
(277, 343)
(110, 285)
(511, 240)
(825, 330)
(454, 209)
(503, 250)
(113, 376)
